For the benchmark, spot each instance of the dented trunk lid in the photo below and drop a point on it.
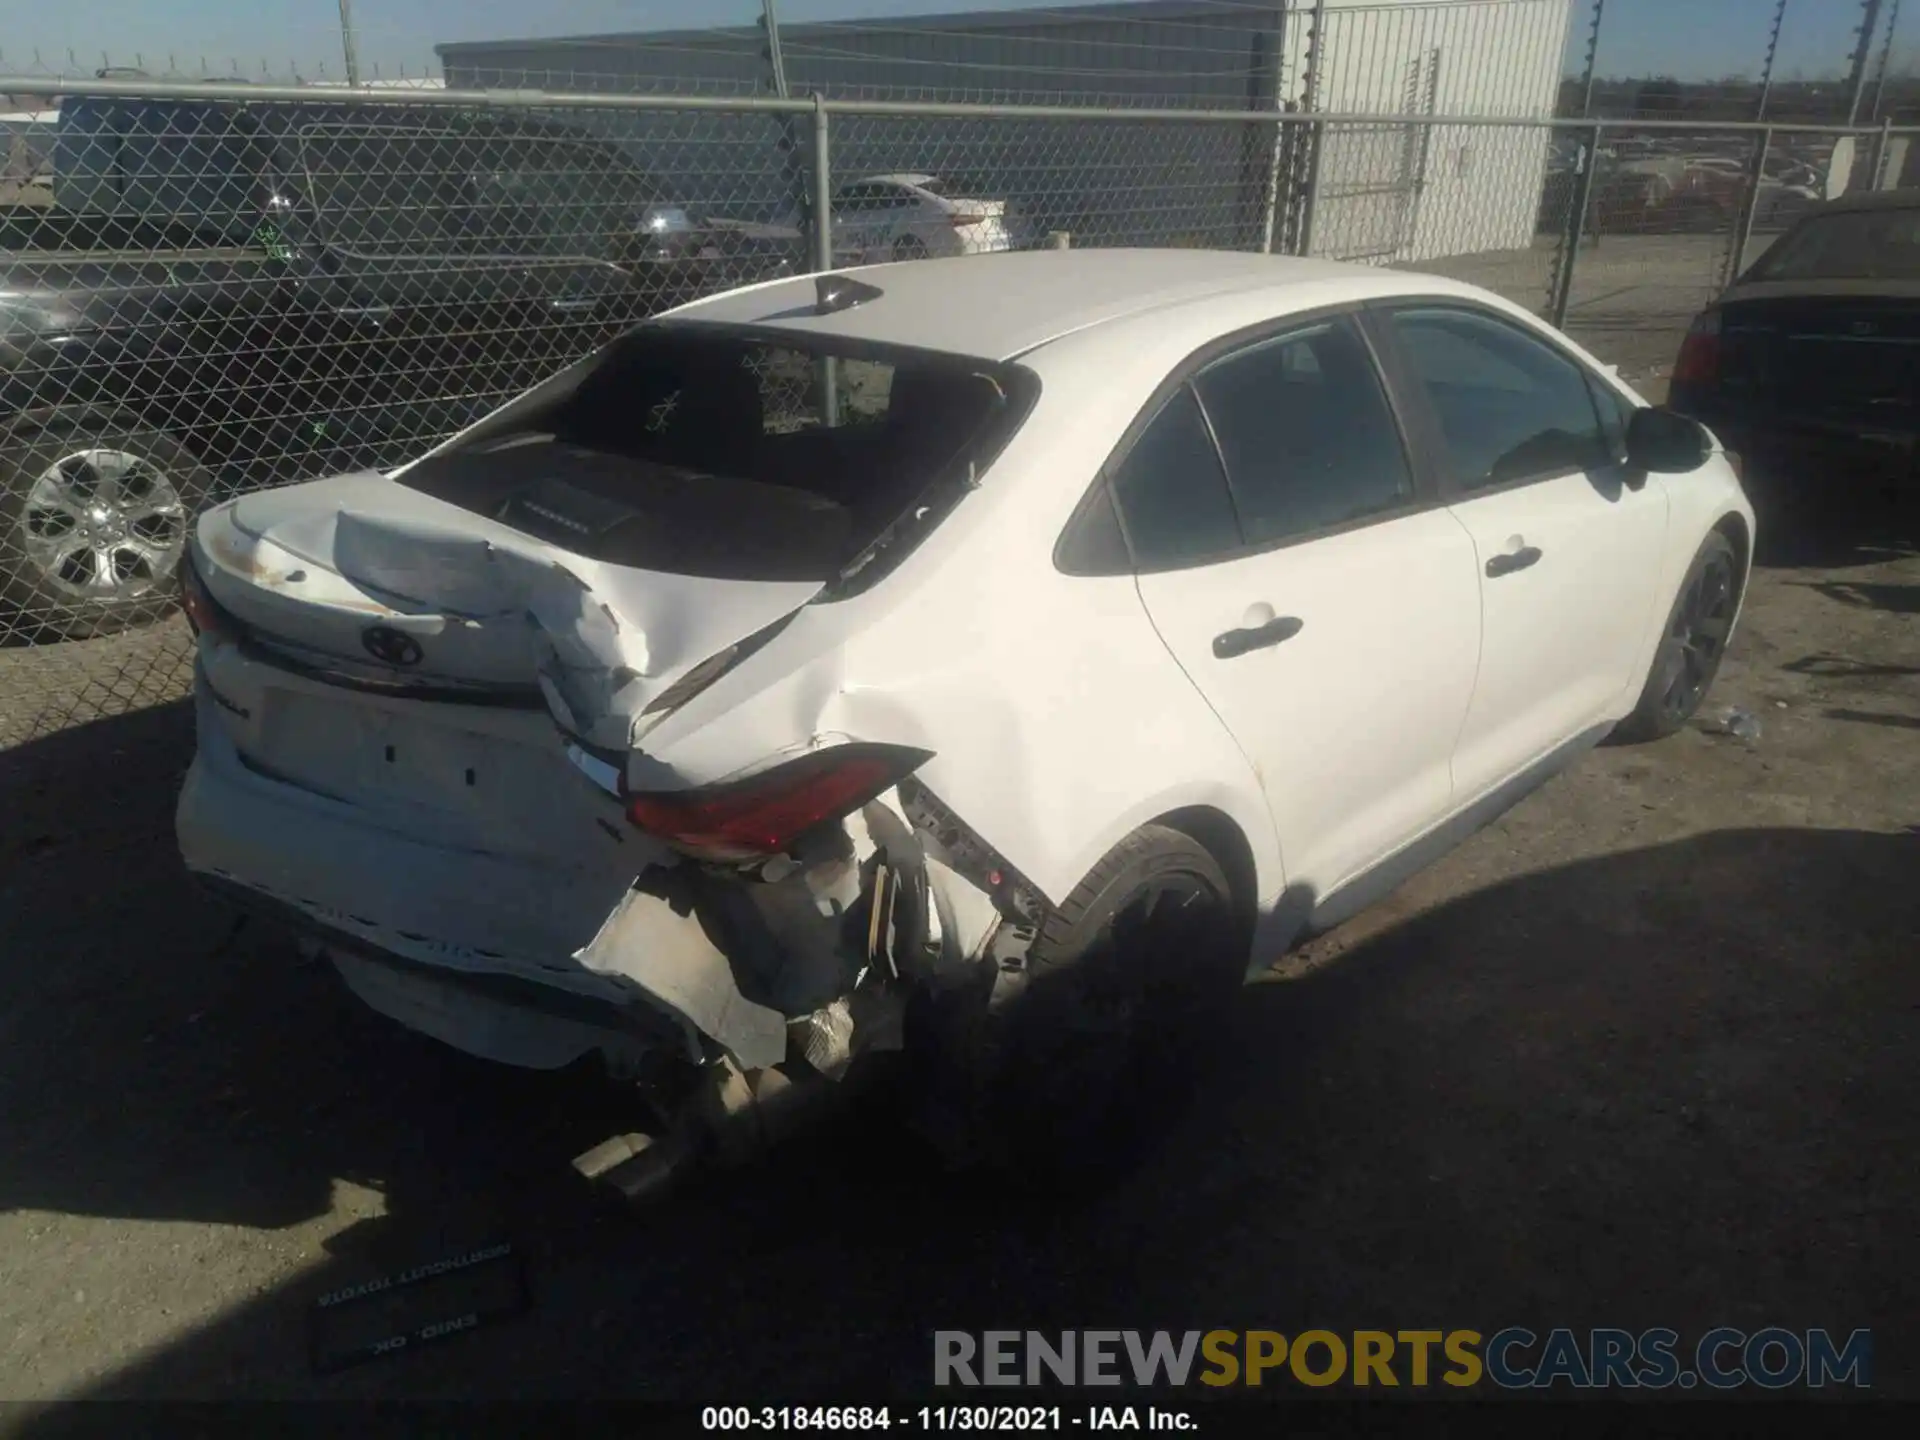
(373, 581)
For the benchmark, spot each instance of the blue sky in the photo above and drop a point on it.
(1694, 38)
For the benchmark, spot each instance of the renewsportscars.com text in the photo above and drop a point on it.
(1514, 1358)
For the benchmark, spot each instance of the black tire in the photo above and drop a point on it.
(1691, 645)
(1122, 982)
(93, 518)
(910, 247)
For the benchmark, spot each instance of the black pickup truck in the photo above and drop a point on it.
(228, 294)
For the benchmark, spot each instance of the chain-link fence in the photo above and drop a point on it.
(228, 287)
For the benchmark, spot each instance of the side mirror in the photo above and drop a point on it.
(1666, 443)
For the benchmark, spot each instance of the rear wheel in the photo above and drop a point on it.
(1121, 984)
(1691, 646)
(93, 521)
(909, 247)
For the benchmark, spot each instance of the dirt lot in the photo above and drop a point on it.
(1644, 1053)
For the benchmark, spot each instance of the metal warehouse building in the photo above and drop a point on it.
(1380, 191)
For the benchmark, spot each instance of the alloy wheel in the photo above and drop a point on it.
(103, 525)
(1701, 623)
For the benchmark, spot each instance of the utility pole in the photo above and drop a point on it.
(797, 183)
(1862, 48)
(347, 42)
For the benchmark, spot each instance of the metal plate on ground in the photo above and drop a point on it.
(435, 1300)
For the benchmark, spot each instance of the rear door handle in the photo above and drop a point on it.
(1229, 643)
(1512, 560)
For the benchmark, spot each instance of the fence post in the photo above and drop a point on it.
(829, 371)
(822, 188)
(1576, 221)
(1749, 207)
(1316, 135)
(1882, 143)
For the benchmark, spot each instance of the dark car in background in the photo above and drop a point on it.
(228, 294)
(1809, 365)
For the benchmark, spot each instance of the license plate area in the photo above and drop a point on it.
(502, 794)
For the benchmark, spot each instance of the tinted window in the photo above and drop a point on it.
(1308, 437)
(1171, 492)
(1614, 414)
(1510, 407)
(1856, 245)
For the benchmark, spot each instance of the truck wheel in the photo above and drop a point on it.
(93, 521)
(1122, 984)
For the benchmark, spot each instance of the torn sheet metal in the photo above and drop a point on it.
(670, 957)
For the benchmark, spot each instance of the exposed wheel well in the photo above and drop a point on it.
(1223, 840)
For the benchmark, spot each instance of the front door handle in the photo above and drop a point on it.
(1229, 643)
(1512, 560)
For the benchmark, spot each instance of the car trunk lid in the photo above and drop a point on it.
(1843, 358)
(387, 588)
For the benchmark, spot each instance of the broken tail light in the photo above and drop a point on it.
(766, 813)
(204, 615)
(1699, 361)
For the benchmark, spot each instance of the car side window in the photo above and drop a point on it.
(1614, 414)
(1171, 492)
(1510, 407)
(1308, 436)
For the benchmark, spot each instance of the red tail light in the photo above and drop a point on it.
(960, 219)
(204, 616)
(1699, 360)
(765, 814)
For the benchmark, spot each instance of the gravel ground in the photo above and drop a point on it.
(1643, 1053)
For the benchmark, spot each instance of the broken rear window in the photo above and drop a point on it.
(734, 457)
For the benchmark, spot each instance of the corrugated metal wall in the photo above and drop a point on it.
(1387, 193)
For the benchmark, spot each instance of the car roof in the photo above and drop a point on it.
(999, 306)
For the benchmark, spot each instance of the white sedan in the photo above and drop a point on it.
(916, 217)
(988, 658)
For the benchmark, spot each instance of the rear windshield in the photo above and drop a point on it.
(1850, 245)
(737, 458)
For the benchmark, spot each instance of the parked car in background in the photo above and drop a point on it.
(226, 294)
(914, 217)
(1093, 626)
(1809, 365)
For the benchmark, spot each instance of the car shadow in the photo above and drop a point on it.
(1894, 599)
(1833, 534)
(1673, 1086)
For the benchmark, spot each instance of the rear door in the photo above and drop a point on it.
(1567, 538)
(1312, 588)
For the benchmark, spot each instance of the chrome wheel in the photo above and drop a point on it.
(103, 525)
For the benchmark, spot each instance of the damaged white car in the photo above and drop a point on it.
(984, 657)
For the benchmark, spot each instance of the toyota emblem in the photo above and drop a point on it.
(389, 646)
